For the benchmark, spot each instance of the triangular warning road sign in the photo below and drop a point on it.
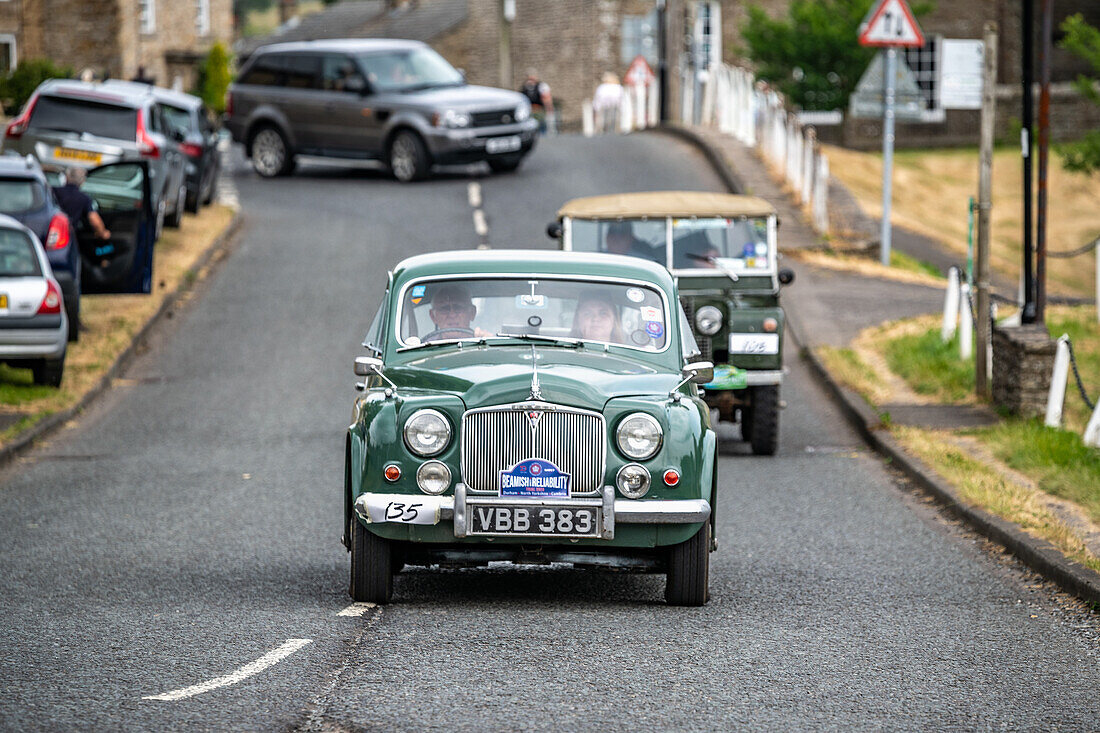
(891, 24)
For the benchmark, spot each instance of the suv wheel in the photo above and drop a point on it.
(763, 433)
(271, 155)
(408, 157)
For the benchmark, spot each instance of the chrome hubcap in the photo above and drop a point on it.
(268, 153)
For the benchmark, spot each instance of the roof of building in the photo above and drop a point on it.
(665, 203)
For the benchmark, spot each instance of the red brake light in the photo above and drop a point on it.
(191, 150)
(51, 304)
(18, 126)
(228, 103)
(58, 235)
(145, 143)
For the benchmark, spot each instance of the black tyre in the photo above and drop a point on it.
(212, 184)
(193, 203)
(688, 582)
(505, 163)
(176, 218)
(48, 372)
(271, 154)
(764, 420)
(72, 311)
(371, 566)
(408, 157)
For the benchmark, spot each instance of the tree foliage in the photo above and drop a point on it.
(813, 55)
(214, 78)
(1083, 40)
(18, 86)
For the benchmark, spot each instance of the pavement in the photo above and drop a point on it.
(831, 307)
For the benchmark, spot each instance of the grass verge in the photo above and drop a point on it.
(110, 324)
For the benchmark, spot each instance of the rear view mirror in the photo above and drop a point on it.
(786, 276)
(553, 230)
(367, 365)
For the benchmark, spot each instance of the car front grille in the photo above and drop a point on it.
(495, 117)
(705, 348)
(496, 438)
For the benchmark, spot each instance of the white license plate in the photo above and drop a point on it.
(502, 144)
(544, 521)
(754, 343)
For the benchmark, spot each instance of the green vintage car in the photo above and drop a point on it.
(532, 407)
(722, 251)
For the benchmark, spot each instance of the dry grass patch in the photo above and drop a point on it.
(931, 192)
(864, 266)
(848, 367)
(110, 323)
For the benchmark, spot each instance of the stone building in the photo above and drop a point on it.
(116, 37)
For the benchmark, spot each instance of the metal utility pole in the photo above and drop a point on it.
(985, 184)
(1027, 59)
(1044, 151)
(888, 151)
(662, 61)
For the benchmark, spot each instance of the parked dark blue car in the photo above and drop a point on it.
(26, 196)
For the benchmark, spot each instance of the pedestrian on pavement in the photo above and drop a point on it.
(79, 206)
(606, 103)
(538, 94)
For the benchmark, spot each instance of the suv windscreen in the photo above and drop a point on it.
(20, 195)
(740, 244)
(411, 70)
(17, 255)
(80, 115)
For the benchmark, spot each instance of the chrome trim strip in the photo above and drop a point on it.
(661, 511)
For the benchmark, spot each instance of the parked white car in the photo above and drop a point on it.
(33, 325)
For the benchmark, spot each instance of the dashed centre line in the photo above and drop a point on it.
(481, 224)
(473, 193)
(357, 609)
(272, 657)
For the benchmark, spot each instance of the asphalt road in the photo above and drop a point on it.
(189, 525)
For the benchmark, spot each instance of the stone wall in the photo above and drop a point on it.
(175, 47)
(1023, 357)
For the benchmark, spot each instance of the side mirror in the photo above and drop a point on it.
(786, 276)
(367, 365)
(699, 372)
(553, 230)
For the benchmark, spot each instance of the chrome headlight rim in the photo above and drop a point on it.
(621, 441)
(708, 320)
(427, 412)
(620, 480)
(421, 478)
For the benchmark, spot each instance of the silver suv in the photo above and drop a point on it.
(395, 101)
(66, 123)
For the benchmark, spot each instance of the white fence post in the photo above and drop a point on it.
(821, 195)
(1056, 399)
(1092, 431)
(950, 305)
(588, 120)
(966, 323)
(808, 154)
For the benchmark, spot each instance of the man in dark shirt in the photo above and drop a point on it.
(79, 206)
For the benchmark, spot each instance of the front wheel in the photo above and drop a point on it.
(763, 434)
(688, 581)
(371, 566)
(408, 158)
(505, 163)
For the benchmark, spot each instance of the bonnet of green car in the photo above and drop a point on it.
(585, 377)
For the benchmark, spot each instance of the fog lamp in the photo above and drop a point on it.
(632, 481)
(433, 477)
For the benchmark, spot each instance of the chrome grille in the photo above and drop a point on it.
(495, 439)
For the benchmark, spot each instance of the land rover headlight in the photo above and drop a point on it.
(639, 436)
(523, 112)
(708, 320)
(427, 432)
(452, 118)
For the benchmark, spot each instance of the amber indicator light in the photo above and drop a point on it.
(392, 472)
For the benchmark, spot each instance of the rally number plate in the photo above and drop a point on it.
(508, 144)
(542, 521)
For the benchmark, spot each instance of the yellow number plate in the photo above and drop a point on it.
(84, 156)
(3, 300)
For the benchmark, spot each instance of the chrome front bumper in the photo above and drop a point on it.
(422, 509)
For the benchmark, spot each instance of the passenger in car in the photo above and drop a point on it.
(597, 319)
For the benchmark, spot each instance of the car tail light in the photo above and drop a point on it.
(145, 143)
(228, 103)
(58, 235)
(51, 304)
(18, 126)
(191, 150)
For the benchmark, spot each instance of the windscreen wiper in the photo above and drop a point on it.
(559, 340)
(476, 341)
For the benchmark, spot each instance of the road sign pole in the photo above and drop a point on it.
(888, 150)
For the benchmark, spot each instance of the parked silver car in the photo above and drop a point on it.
(66, 123)
(391, 100)
(34, 330)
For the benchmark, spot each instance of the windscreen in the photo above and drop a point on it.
(737, 245)
(20, 195)
(17, 255)
(634, 237)
(79, 115)
(616, 313)
(403, 71)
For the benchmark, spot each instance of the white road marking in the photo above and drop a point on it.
(272, 657)
(357, 609)
(480, 225)
(474, 193)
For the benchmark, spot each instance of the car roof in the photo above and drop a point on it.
(169, 96)
(10, 222)
(20, 166)
(527, 262)
(346, 45)
(665, 203)
(132, 95)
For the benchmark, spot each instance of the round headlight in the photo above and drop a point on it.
(633, 481)
(639, 436)
(427, 432)
(523, 112)
(708, 320)
(433, 477)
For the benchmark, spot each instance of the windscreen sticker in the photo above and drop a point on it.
(635, 295)
(749, 249)
(417, 294)
(761, 249)
(655, 329)
(534, 478)
(649, 313)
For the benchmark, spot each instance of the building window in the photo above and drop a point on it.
(148, 16)
(639, 38)
(202, 17)
(8, 59)
(924, 62)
